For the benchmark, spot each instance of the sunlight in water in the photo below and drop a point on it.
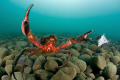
(71, 8)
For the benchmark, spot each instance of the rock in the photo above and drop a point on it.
(39, 63)
(74, 52)
(93, 47)
(18, 47)
(116, 77)
(8, 69)
(81, 76)
(15, 52)
(2, 62)
(44, 74)
(51, 64)
(81, 64)
(6, 77)
(77, 46)
(91, 75)
(84, 57)
(10, 47)
(22, 43)
(65, 73)
(2, 70)
(110, 71)
(116, 53)
(98, 62)
(26, 76)
(113, 48)
(28, 69)
(115, 59)
(87, 51)
(9, 62)
(33, 58)
(100, 78)
(28, 61)
(10, 57)
(110, 53)
(4, 53)
(70, 64)
(88, 70)
(2, 49)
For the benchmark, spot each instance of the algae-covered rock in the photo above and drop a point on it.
(88, 70)
(70, 64)
(26, 76)
(51, 64)
(110, 71)
(115, 59)
(65, 73)
(8, 69)
(44, 74)
(4, 53)
(100, 78)
(77, 46)
(10, 57)
(74, 52)
(2, 62)
(81, 64)
(81, 76)
(84, 57)
(93, 47)
(98, 62)
(6, 77)
(39, 63)
(9, 62)
(87, 51)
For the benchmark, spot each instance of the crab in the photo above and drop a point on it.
(46, 44)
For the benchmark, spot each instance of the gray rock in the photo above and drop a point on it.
(6, 77)
(51, 64)
(110, 71)
(26, 76)
(44, 74)
(39, 63)
(4, 53)
(2, 62)
(115, 59)
(81, 64)
(98, 62)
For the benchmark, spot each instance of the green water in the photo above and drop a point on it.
(62, 16)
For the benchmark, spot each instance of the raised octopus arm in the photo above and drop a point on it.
(26, 31)
(78, 39)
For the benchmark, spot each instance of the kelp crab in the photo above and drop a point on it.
(46, 44)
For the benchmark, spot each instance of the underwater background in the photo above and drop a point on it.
(62, 16)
